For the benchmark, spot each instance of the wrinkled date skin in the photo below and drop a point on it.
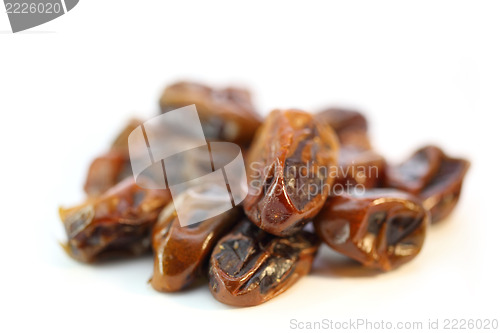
(291, 169)
(110, 168)
(225, 114)
(380, 228)
(117, 223)
(433, 176)
(358, 163)
(249, 266)
(182, 253)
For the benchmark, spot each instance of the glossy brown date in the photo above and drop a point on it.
(379, 228)
(181, 253)
(433, 176)
(249, 266)
(116, 223)
(110, 168)
(225, 114)
(291, 168)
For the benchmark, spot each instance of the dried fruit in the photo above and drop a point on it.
(116, 223)
(365, 168)
(350, 126)
(416, 172)
(433, 176)
(113, 166)
(106, 171)
(225, 114)
(358, 163)
(249, 266)
(181, 253)
(300, 168)
(291, 167)
(379, 228)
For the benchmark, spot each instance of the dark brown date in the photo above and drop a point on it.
(379, 228)
(433, 176)
(113, 166)
(291, 168)
(225, 114)
(249, 266)
(116, 223)
(181, 253)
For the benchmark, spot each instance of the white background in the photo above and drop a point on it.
(423, 71)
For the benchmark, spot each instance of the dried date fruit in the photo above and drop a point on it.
(291, 168)
(416, 172)
(350, 126)
(358, 163)
(113, 166)
(181, 253)
(106, 171)
(225, 114)
(116, 223)
(442, 193)
(249, 266)
(344, 120)
(121, 141)
(365, 168)
(433, 176)
(300, 168)
(379, 228)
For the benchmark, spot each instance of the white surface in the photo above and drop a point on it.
(423, 71)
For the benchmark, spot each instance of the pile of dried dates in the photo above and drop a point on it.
(301, 168)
